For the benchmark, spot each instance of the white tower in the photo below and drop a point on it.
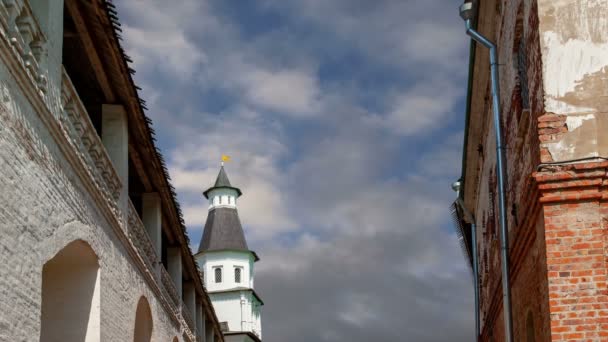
(228, 264)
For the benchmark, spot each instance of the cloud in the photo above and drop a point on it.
(290, 91)
(421, 109)
(158, 41)
(255, 149)
(386, 273)
(339, 118)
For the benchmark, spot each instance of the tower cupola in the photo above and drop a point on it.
(228, 264)
(222, 194)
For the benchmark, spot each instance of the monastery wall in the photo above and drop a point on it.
(44, 207)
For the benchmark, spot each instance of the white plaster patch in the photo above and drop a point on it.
(575, 121)
(562, 150)
(567, 63)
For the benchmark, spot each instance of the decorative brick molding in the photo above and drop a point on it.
(140, 239)
(78, 129)
(169, 289)
(18, 25)
(187, 317)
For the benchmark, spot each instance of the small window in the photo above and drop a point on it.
(237, 274)
(218, 274)
(220, 199)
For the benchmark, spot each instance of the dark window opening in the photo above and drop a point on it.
(218, 274)
(237, 275)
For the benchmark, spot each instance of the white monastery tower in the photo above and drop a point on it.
(228, 265)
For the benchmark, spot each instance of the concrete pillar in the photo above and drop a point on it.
(174, 261)
(209, 333)
(115, 137)
(200, 320)
(190, 300)
(152, 219)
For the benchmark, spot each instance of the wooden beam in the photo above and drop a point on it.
(89, 47)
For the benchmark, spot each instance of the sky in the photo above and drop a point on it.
(344, 120)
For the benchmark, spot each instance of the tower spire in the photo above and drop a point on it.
(228, 263)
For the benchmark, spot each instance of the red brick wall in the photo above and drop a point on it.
(517, 20)
(557, 215)
(575, 209)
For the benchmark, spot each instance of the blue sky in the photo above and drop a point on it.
(344, 121)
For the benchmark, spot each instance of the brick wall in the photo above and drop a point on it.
(557, 214)
(43, 207)
(518, 21)
(574, 206)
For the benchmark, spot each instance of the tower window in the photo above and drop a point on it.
(237, 274)
(218, 274)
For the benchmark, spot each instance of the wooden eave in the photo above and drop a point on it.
(479, 121)
(110, 64)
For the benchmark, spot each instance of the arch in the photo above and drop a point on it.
(64, 235)
(143, 321)
(175, 339)
(70, 309)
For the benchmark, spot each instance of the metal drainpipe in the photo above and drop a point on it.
(467, 13)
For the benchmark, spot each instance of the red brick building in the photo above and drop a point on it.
(553, 64)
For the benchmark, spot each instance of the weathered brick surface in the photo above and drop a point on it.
(574, 206)
(43, 207)
(557, 214)
(525, 222)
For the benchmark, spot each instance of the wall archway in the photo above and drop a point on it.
(143, 321)
(70, 309)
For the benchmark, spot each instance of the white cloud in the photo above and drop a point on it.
(420, 110)
(157, 38)
(292, 92)
(166, 48)
(256, 150)
(335, 214)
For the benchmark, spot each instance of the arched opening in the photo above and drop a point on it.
(70, 295)
(143, 321)
(175, 339)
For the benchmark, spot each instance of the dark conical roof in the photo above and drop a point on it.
(222, 181)
(223, 230)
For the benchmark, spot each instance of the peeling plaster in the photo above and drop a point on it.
(583, 139)
(574, 41)
(574, 122)
(566, 67)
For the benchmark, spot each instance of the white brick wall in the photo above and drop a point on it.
(43, 207)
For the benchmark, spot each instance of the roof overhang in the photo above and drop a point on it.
(206, 192)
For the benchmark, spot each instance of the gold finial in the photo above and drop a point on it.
(225, 158)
